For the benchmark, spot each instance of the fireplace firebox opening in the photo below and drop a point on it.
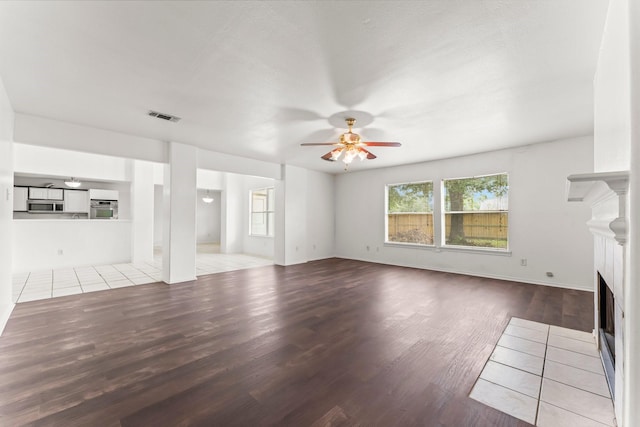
(607, 331)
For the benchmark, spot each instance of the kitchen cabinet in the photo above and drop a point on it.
(20, 195)
(99, 194)
(76, 201)
(37, 193)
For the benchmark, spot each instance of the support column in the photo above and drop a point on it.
(290, 241)
(142, 195)
(6, 207)
(179, 214)
(232, 214)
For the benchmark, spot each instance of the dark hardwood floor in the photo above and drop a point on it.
(331, 342)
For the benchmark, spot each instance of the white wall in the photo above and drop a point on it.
(617, 147)
(210, 180)
(544, 228)
(208, 218)
(254, 245)
(214, 161)
(142, 213)
(36, 243)
(611, 91)
(6, 205)
(32, 159)
(54, 133)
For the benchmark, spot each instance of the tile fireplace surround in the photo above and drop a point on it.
(607, 194)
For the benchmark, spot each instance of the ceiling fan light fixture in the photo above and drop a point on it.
(72, 183)
(207, 198)
(351, 146)
(350, 154)
(335, 154)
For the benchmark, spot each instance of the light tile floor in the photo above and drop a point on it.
(547, 376)
(37, 285)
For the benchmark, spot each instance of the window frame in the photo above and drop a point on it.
(444, 212)
(387, 213)
(270, 203)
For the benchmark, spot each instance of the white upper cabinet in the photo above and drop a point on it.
(99, 194)
(36, 193)
(20, 195)
(54, 193)
(76, 201)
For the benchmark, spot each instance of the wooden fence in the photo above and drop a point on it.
(477, 225)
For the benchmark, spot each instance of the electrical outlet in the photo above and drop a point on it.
(60, 252)
(549, 274)
(368, 248)
(523, 262)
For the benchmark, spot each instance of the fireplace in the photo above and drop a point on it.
(607, 194)
(607, 331)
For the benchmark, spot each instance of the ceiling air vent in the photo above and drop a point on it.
(163, 116)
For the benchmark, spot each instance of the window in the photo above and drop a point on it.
(262, 216)
(410, 213)
(476, 211)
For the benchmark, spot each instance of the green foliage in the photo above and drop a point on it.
(466, 194)
(414, 197)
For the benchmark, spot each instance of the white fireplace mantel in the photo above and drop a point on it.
(598, 188)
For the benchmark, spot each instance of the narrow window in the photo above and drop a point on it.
(476, 211)
(410, 213)
(262, 212)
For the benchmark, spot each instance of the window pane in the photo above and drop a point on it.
(262, 204)
(410, 213)
(476, 211)
(259, 223)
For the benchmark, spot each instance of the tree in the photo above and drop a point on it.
(415, 197)
(461, 195)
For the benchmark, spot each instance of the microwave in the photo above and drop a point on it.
(44, 206)
(104, 209)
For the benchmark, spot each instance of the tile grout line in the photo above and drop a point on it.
(544, 363)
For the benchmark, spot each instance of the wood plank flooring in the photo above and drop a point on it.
(331, 342)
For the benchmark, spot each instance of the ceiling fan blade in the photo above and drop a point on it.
(328, 157)
(319, 143)
(382, 144)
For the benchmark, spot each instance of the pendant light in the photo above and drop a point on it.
(207, 198)
(73, 183)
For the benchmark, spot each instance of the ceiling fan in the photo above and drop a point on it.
(351, 146)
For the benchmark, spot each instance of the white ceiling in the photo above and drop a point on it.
(256, 79)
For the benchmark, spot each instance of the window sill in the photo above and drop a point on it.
(409, 245)
(463, 249)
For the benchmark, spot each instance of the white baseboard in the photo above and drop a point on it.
(487, 276)
(5, 313)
